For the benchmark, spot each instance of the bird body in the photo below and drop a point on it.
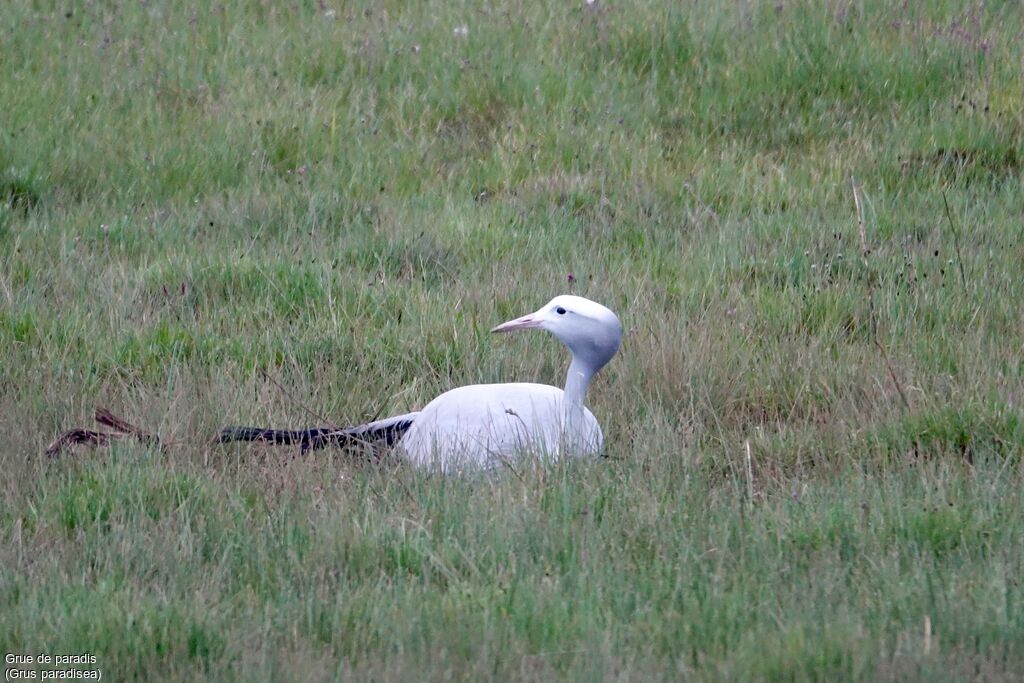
(486, 425)
(483, 426)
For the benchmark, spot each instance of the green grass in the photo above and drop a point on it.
(211, 214)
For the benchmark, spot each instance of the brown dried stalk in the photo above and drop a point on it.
(79, 435)
(864, 250)
(122, 429)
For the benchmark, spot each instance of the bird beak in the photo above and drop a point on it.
(527, 322)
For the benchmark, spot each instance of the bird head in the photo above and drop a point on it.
(591, 331)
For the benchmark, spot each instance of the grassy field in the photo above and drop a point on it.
(245, 212)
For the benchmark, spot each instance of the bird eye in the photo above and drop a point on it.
(560, 311)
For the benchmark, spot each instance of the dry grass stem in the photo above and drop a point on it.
(956, 241)
(873, 322)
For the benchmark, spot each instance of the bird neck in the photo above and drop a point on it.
(576, 382)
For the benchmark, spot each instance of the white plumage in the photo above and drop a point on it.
(484, 425)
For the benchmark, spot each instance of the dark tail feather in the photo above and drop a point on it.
(280, 437)
(389, 432)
